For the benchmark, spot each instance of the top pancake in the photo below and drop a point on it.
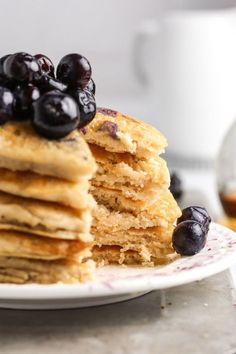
(117, 132)
(21, 149)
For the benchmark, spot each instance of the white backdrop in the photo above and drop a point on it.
(102, 30)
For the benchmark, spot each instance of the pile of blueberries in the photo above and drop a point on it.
(190, 234)
(55, 104)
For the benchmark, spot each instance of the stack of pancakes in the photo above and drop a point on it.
(45, 207)
(136, 212)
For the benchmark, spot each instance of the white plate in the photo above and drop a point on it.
(117, 283)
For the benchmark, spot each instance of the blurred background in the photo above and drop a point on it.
(171, 63)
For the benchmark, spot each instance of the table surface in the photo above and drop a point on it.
(198, 318)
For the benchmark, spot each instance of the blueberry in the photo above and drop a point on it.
(47, 83)
(176, 186)
(87, 106)
(55, 115)
(7, 83)
(188, 238)
(25, 95)
(91, 86)
(2, 60)
(74, 70)
(4, 81)
(6, 105)
(45, 64)
(21, 67)
(196, 213)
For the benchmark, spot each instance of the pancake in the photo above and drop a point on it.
(21, 271)
(23, 245)
(109, 220)
(150, 242)
(146, 195)
(52, 219)
(32, 185)
(124, 168)
(114, 255)
(45, 207)
(136, 213)
(163, 210)
(22, 149)
(120, 133)
(58, 234)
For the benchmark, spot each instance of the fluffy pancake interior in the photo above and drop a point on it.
(115, 255)
(163, 210)
(150, 242)
(127, 168)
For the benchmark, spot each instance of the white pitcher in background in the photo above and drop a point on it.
(187, 61)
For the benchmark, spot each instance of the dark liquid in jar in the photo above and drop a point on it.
(228, 201)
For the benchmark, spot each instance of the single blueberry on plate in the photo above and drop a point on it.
(188, 238)
(196, 213)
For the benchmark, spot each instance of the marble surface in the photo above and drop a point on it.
(198, 318)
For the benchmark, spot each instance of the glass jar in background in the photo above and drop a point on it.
(226, 177)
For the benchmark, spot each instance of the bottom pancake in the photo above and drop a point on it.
(21, 271)
(148, 243)
(25, 245)
(115, 255)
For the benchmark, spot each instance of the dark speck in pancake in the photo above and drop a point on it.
(111, 128)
